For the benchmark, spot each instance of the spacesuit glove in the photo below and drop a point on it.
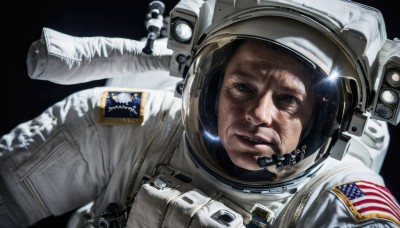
(65, 59)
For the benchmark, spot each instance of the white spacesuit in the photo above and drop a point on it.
(141, 157)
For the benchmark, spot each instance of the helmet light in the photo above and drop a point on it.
(393, 78)
(386, 104)
(388, 97)
(182, 31)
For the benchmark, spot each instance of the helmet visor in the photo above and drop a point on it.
(251, 99)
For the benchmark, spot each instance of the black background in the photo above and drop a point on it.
(21, 24)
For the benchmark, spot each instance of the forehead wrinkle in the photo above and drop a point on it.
(287, 80)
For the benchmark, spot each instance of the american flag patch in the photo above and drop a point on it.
(368, 200)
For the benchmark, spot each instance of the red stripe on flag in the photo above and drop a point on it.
(393, 210)
(384, 192)
(367, 200)
(375, 208)
(371, 189)
(391, 204)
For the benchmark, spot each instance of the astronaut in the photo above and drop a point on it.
(277, 120)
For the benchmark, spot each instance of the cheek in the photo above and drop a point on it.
(228, 113)
(223, 114)
(290, 134)
(293, 129)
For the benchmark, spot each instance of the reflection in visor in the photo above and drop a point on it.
(208, 147)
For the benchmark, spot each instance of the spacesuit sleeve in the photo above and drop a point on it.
(51, 164)
(65, 59)
(66, 156)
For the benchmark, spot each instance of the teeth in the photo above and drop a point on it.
(253, 140)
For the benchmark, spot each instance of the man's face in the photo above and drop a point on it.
(264, 104)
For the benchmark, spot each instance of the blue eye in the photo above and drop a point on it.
(288, 102)
(242, 87)
(289, 99)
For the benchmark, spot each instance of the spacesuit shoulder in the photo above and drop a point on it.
(69, 135)
(357, 196)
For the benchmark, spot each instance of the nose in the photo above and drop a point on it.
(261, 112)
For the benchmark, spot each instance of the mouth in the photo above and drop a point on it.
(253, 140)
(245, 149)
(256, 144)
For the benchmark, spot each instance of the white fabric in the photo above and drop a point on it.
(65, 59)
(325, 209)
(361, 27)
(177, 205)
(65, 158)
(146, 80)
(334, 173)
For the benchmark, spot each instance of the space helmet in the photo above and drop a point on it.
(341, 47)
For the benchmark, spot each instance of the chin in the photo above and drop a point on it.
(248, 164)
